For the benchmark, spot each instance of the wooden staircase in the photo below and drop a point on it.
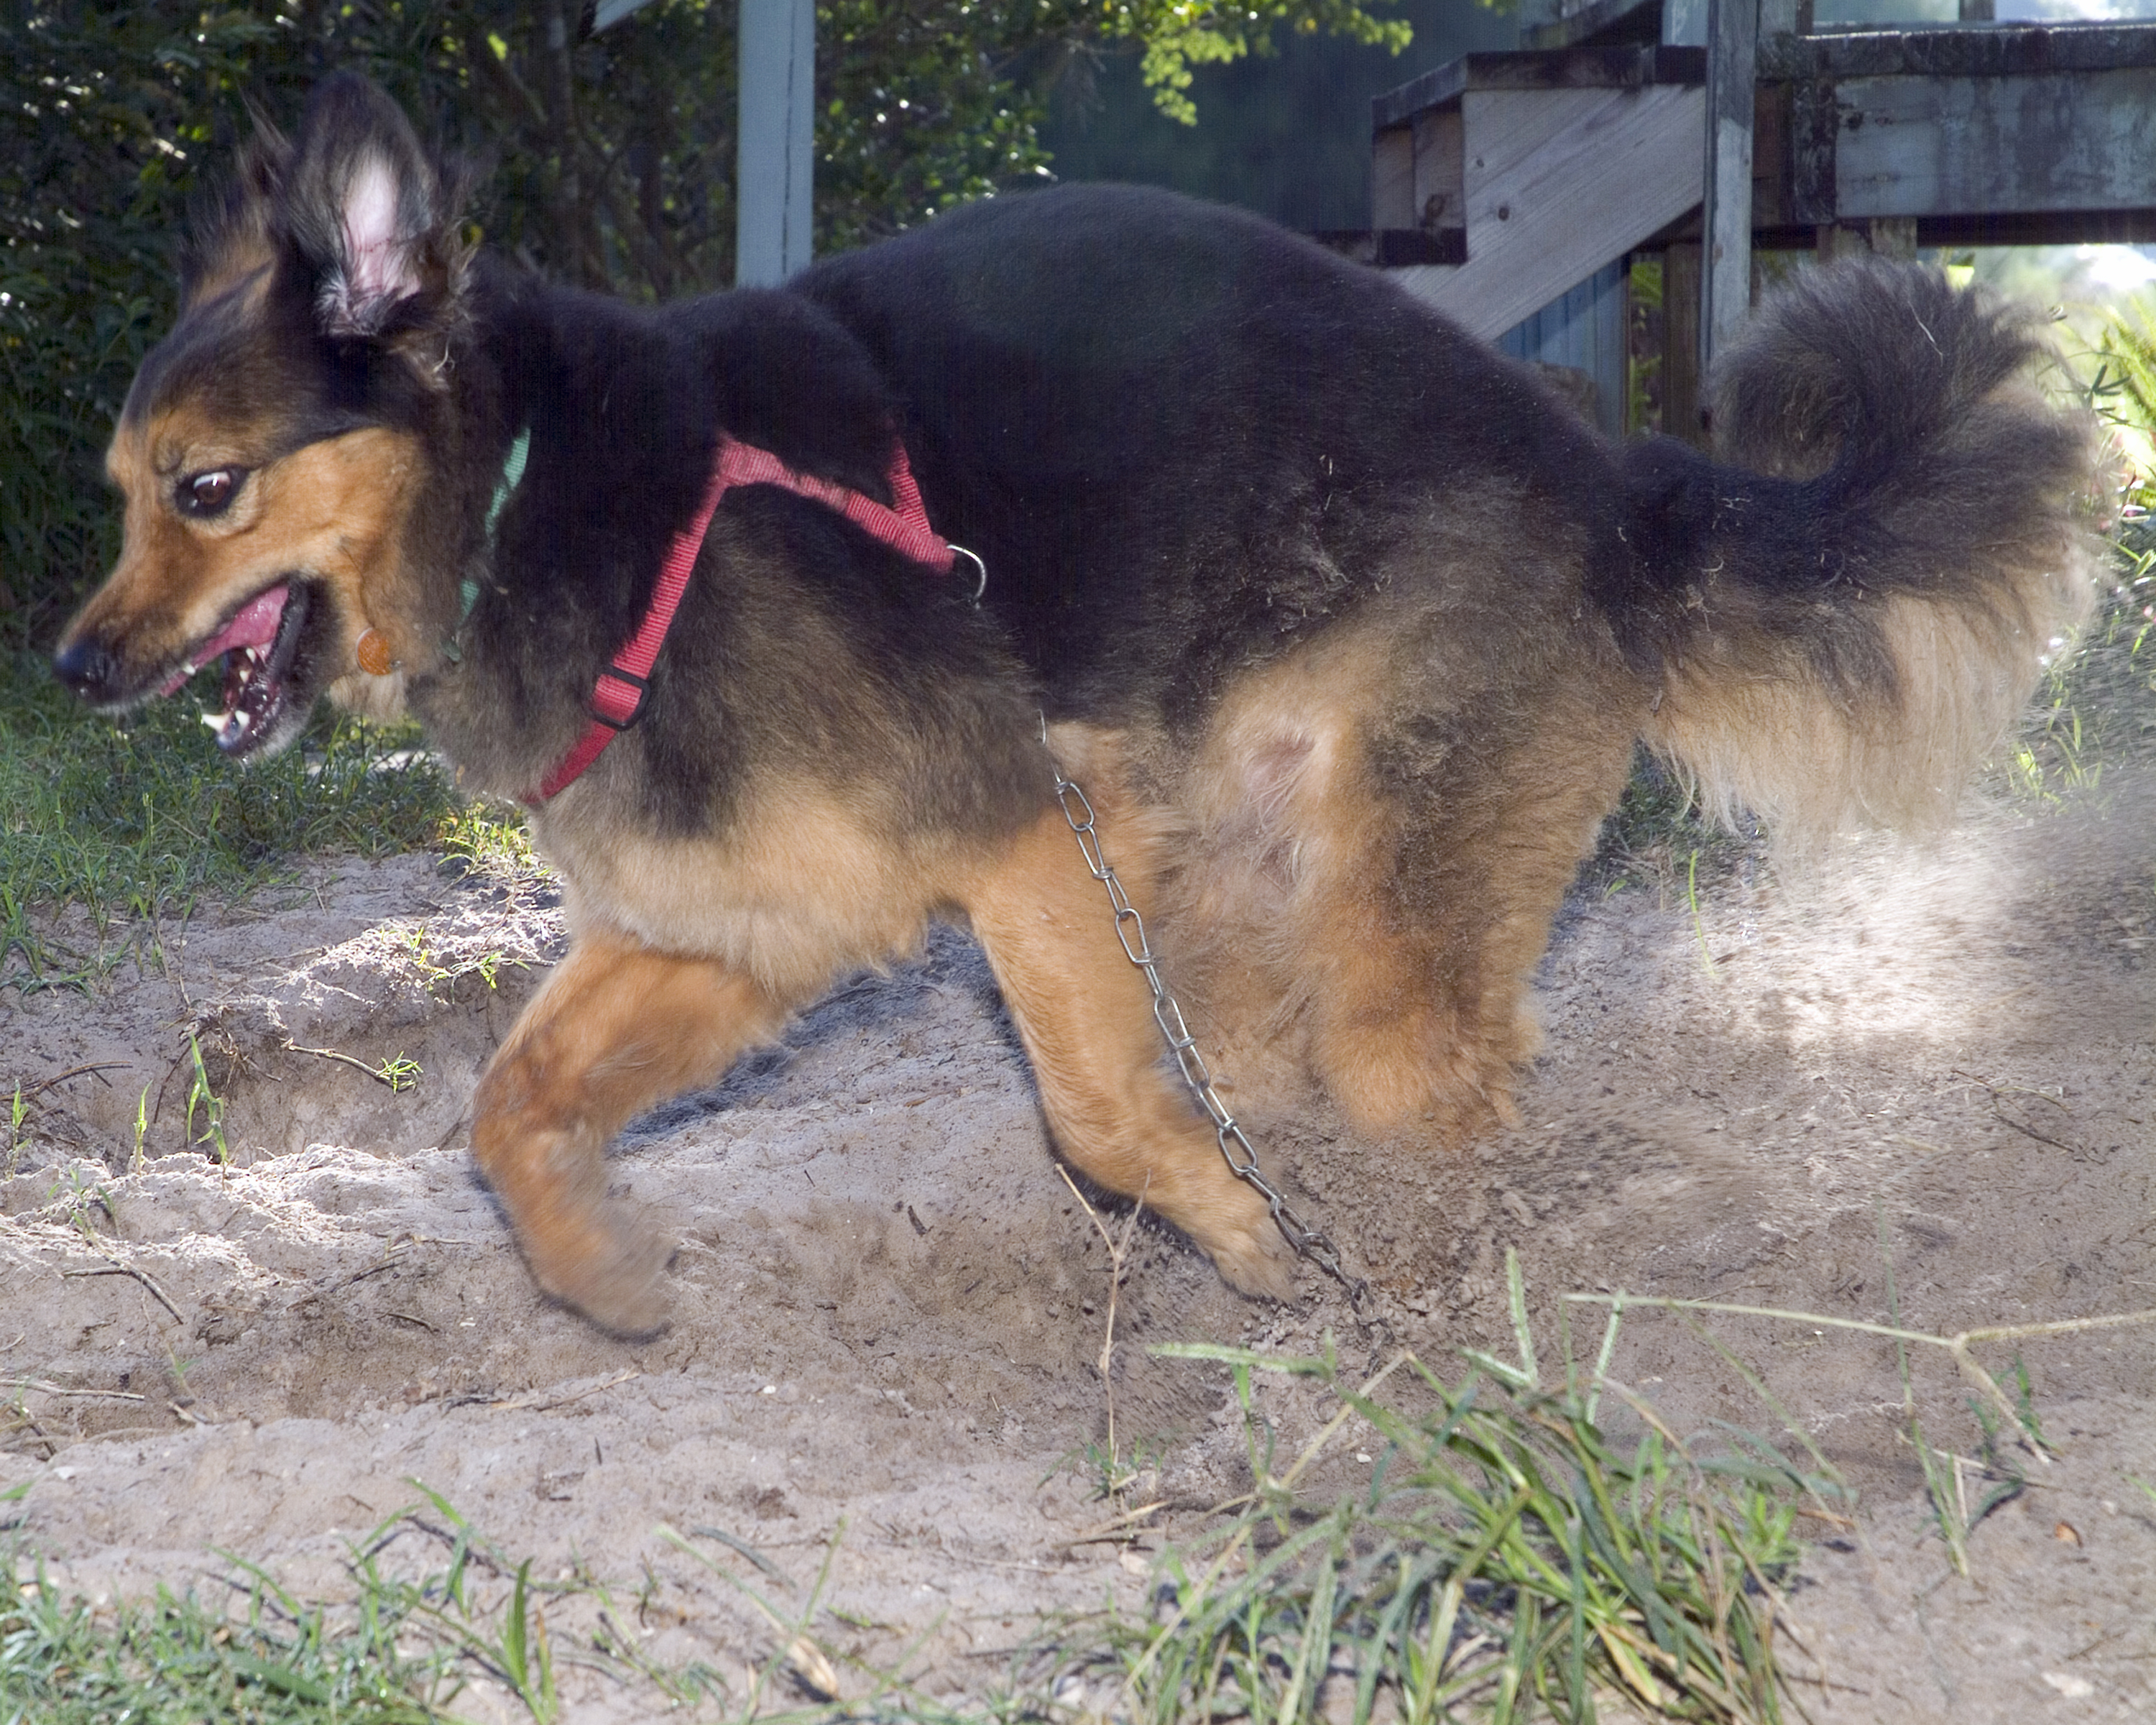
(1507, 189)
(1542, 187)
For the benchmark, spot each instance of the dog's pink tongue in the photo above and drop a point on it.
(256, 626)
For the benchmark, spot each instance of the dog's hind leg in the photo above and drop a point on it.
(616, 1028)
(1086, 1016)
(1449, 849)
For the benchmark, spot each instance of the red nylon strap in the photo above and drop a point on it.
(905, 529)
(618, 694)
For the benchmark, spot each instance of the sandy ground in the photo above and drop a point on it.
(887, 1304)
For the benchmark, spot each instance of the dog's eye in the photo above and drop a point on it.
(203, 495)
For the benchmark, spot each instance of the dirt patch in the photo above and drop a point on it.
(887, 1306)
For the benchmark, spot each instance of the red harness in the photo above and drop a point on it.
(618, 697)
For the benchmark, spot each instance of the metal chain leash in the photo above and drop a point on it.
(1310, 1244)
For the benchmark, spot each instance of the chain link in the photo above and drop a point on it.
(1310, 1244)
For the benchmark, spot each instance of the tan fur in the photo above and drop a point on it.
(1292, 942)
(739, 899)
(1776, 741)
(1330, 926)
(617, 1027)
(1293, 838)
(1085, 1014)
(335, 508)
(714, 941)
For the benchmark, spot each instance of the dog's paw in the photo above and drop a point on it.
(1257, 1261)
(615, 1278)
(1416, 1073)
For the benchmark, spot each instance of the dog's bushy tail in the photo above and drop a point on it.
(1847, 609)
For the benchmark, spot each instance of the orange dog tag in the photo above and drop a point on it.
(372, 653)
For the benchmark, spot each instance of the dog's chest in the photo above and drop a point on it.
(798, 891)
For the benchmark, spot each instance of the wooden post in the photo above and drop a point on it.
(1681, 343)
(1733, 47)
(775, 153)
(1894, 236)
(1882, 236)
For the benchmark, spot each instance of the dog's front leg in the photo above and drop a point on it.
(1086, 1015)
(617, 1027)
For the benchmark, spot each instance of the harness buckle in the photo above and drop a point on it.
(628, 709)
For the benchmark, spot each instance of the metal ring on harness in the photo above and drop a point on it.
(980, 569)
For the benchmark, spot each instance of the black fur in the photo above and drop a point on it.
(1183, 439)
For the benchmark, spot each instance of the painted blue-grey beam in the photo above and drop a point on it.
(775, 156)
(1732, 38)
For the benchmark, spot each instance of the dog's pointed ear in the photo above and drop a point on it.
(367, 212)
(232, 231)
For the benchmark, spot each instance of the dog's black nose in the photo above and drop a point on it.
(89, 667)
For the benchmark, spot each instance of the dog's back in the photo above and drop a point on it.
(1183, 438)
(1187, 440)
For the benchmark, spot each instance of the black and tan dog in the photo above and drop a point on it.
(1347, 627)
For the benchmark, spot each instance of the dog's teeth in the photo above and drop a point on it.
(215, 720)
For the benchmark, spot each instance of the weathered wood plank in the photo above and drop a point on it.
(1559, 185)
(2003, 50)
(1681, 399)
(1927, 147)
(2040, 134)
(775, 206)
(1392, 178)
(1441, 162)
(1733, 40)
(1583, 24)
(1814, 128)
(1627, 68)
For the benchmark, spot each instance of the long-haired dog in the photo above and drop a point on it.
(1347, 627)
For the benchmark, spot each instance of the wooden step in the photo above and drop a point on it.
(1555, 184)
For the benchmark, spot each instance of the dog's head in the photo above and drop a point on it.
(273, 444)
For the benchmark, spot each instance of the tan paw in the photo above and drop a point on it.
(1414, 1070)
(613, 1273)
(1256, 1260)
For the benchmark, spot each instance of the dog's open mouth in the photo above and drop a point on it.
(260, 645)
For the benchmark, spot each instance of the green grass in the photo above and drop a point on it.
(2096, 709)
(172, 1659)
(396, 1652)
(134, 820)
(1501, 1555)
(1530, 1542)
(1658, 836)
(1508, 1559)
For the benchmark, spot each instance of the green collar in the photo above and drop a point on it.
(512, 471)
(512, 474)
